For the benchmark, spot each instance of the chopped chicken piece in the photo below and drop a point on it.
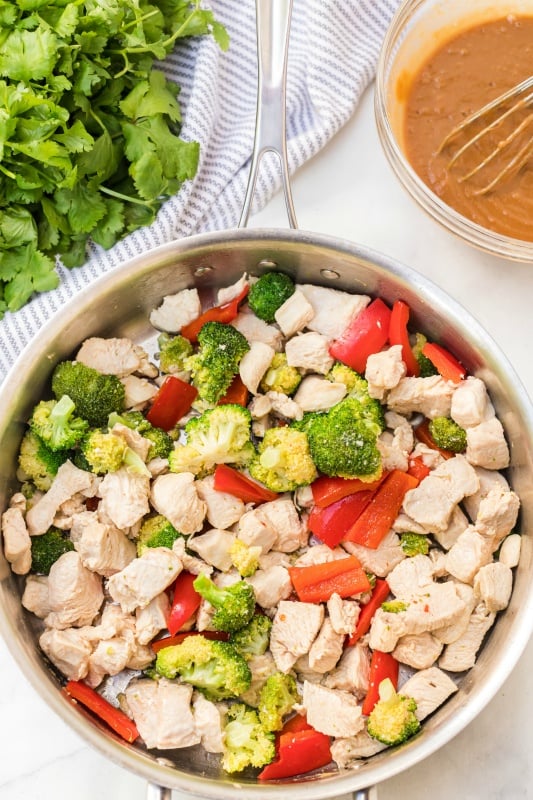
(144, 578)
(343, 614)
(429, 688)
(17, 542)
(428, 396)
(255, 529)
(333, 309)
(319, 554)
(332, 711)
(318, 394)
(410, 577)
(190, 562)
(214, 548)
(176, 311)
(109, 657)
(261, 667)
(223, 509)
(347, 753)
(208, 723)
(254, 364)
(294, 314)
(488, 479)
(470, 402)
(418, 650)
(124, 497)
(282, 517)
(152, 619)
(69, 481)
(103, 548)
(138, 392)
(283, 406)
(430, 457)
(271, 585)
(69, 650)
(493, 584)
(162, 712)
(327, 648)
(486, 445)
(396, 447)
(294, 629)
(352, 671)
(380, 561)
(260, 406)
(497, 515)
(174, 496)
(35, 597)
(228, 293)
(303, 497)
(457, 524)
(449, 633)
(110, 356)
(133, 439)
(510, 550)
(256, 330)
(404, 524)
(309, 351)
(384, 371)
(432, 502)
(75, 594)
(469, 553)
(461, 654)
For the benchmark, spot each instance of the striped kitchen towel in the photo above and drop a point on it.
(334, 46)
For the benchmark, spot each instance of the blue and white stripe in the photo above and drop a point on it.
(333, 52)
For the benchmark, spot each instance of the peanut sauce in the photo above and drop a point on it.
(464, 74)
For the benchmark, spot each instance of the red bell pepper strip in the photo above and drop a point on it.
(237, 393)
(447, 365)
(233, 482)
(172, 401)
(114, 717)
(331, 524)
(365, 335)
(380, 592)
(382, 666)
(185, 602)
(328, 490)
(417, 468)
(298, 752)
(399, 334)
(223, 313)
(316, 583)
(376, 519)
(178, 638)
(423, 435)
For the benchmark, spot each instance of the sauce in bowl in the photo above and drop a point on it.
(467, 71)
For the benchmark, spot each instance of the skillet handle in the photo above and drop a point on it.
(154, 792)
(273, 20)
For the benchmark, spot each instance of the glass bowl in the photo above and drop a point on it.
(418, 28)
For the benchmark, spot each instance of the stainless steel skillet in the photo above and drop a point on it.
(119, 304)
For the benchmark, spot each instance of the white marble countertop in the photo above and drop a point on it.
(347, 191)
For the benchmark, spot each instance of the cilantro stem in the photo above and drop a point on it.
(176, 35)
(125, 197)
(8, 173)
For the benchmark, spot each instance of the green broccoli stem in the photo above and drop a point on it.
(209, 590)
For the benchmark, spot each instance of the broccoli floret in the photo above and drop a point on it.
(103, 451)
(393, 719)
(156, 531)
(234, 605)
(214, 668)
(269, 293)
(254, 638)
(94, 394)
(447, 434)
(216, 363)
(280, 377)
(55, 424)
(47, 548)
(427, 368)
(246, 742)
(357, 388)
(283, 461)
(245, 557)
(162, 442)
(220, 435)
(344, 444)
(277, 698)
(37, 462)
(414, 544)
(173, 352)
(394, 606)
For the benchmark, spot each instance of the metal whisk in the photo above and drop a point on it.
(491, 118)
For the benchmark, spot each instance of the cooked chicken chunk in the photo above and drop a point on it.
(449, 633)
(69, 481)
(295, 314)
(493, 584)
(102, 547)
(254, 364)
(271, 585)
(486, 445)
(35, 597)
(152, 619)
(17, 542)
(510, 550)
(384, 371)
(352, 671)
(488, 479)
(346, 753)
(133, 439)
(110, 356)
(144, 578)
(461, 654)
(343, 614)
(176, 311)
(318, 394)
(470, 402)
(282, 518)
(213, 547)
(432, 502)
(419, 650)
(260, 667)
(69, 650)
(124, 497)
(283, 406)
(223, 509)
(208, 723)
(380, 561)
(429, 688)
(255, 529)
(470, 552)
(457, 524)
(497, 515)
(294, 629)
(332, 711)
(256, 330)
(309, 351)
(327, 648)
(409, 578)
(428, 396)
(228, 293)
(163, 714)
(174, 495)
(333, 309)
(138, 391)
(75, 594)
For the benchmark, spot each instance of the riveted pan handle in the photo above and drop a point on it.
(273, 20)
